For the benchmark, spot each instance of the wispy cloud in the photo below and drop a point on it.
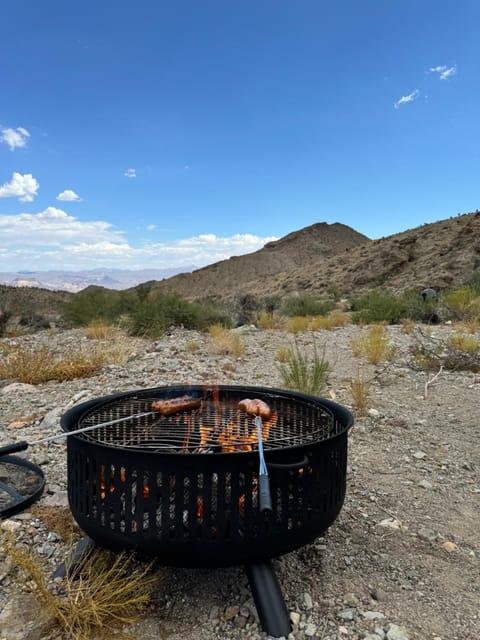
(24, 187)
(14, 137)
(130, 173)
(444, 72)
(405, 99)
(52, 239)
(68, 196)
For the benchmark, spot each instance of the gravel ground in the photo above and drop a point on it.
(401, 562)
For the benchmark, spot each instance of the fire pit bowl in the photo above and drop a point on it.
(184, 487)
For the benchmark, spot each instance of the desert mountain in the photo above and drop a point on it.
(323, 257)
(295, 252)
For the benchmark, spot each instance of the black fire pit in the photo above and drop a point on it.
(184, 487)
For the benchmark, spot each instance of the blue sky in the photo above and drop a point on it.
(155, 134)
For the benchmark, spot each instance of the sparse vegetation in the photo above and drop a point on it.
(373, 345)
(225, 341)
(360, 389)
(298, 324)
(35, 365)
(459, 352)
(268, 320)
(98, 597)
(305, 305)
(304, 371)
(99, 329)
(464, 303)
(334, 319)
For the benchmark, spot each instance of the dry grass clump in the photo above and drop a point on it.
(408, 325)
(463, 342)
(192, 346)
(304, 371)
(35, 365)
(298, 324)
(373, 345)
(101, 330)
(283, 354)
(226, 342)
(360, 390)
(270, 321)
(460, 352)
(98, 596)
(331, 321)
(467, 326)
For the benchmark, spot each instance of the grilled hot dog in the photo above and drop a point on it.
(175, 405)
(255, 407)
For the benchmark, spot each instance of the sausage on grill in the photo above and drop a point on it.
(255, 407)
(175, 405)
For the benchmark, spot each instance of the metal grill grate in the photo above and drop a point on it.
(217, 427)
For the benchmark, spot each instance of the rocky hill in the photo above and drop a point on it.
(295, 252)
(323, 258)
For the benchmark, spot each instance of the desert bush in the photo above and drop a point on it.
(226, 342)
(97, 597)
(377, 306)
(298, 324)
(35, 365)
(304, 371)
(268, 320)
(305, 305)
(334, 319)
(99, 329)
(360, 389)
(373, 345)
(459, 352)
(464, 303)
(462, 342)
(152, 317)
(283, 354)
(192, 346)
(467, 326)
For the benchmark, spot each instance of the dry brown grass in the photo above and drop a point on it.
(463, 342)
(192, 346)
(373, 345)
(298, 324)
(331, 321)
(270, 321)
(283, 354)
(35, 365)
(97, 598)
(360, 390)
(101, 330)
(467, 326)
(226, 342)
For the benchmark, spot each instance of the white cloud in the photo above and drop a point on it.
(24, 187)
(68, 196)
(444, 72)
(151, 227)
(14, 137)
(130, 173)
(404, 99)
(52, 239)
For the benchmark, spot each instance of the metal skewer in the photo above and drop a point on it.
(265, 498)
(23, 444)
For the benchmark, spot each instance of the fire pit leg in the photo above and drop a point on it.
(84, 546)
(268, 598)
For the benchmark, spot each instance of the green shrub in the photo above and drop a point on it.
(302, 372)
(142, 314)
(152, 317)
(305, 305)
(377, 306)
(464, 303)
